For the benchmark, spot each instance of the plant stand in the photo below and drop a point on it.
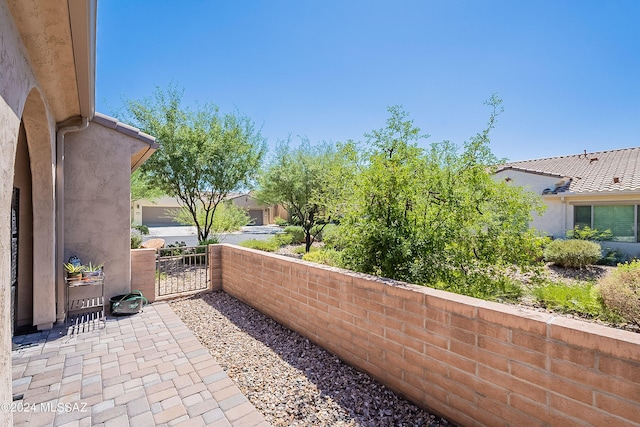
(85, 300)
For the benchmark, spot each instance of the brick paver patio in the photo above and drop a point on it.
(142, 370)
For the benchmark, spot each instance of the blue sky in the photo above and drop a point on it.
(568, 71)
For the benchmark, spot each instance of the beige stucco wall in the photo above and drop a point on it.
(551, 221)
(97, 202)
(20, 99)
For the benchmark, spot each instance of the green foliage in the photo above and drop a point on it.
(611, 257)
(308, 180)
(209, 241)
(143, 188)
(572, 253)
(333, 237)
(301, 250)
(436, 216)
(588, 233)
(93, 267)
(578, 299)
(297, 232)
(143, 229)
(136, 239)
(483, 286)
(620, 291)
(73, 269)
(226, 218)
(269, 245)
(203, 154)
(280, 222)
(325, 256)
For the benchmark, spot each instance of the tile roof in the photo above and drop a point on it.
(601, 171)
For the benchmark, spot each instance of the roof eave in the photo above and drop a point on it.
(83, 18)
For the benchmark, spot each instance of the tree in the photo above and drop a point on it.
(203, 156)
(307, 180)
(437, 216)
(141, 188)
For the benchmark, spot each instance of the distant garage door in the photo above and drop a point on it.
(256, 216)
(154, 216)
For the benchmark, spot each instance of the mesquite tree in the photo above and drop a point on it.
(203, 156)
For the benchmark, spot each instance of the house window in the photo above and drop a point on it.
(620, 219)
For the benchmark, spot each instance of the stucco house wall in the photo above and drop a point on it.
(552, 221)
(21, 100)
(97, 200)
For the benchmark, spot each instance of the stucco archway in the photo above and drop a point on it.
(39, 129)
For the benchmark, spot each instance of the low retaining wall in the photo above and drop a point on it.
(472, 361)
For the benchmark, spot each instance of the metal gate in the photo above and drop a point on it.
(182, 270)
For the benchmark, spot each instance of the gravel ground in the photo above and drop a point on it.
(290, 380)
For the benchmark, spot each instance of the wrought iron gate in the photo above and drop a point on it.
(181, 270)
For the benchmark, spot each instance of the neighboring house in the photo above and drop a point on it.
(157, 212)
(600, 190)
(65, 169)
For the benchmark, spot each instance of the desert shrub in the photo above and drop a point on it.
(333, 237)
(143, 229)
(579, 299)
(285, 239)
(611, 257)
(483, 286)
(588, 233)
(325, 256)
(269, 245)
(209, 241)
(572, 253)
(301, 250)
(280, 222)
(620, 291)
(136, 239)
(296, 231)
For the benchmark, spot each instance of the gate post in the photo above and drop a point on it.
(143, 272)
(215, 267)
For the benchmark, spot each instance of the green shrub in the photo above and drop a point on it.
(280, 222)
(143, 229)
(270, 245)
(136, 239)
(285, 239)
(483, 287)
(579, 299)
(296, 231)
(325, 256)
(620, 291)
(302, 250)
(333, 237)
(209, 241)
(611, 257)
(572, 253)
(588, 233)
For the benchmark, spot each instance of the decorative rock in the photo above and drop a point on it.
(290, 380)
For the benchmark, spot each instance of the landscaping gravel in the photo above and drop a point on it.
(290, 380)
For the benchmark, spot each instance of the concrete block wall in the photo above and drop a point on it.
(143, 272)
(475, 362)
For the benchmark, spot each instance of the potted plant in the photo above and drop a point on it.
(74, 272)
(92, 271)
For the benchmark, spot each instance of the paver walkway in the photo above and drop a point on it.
(142, 370)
